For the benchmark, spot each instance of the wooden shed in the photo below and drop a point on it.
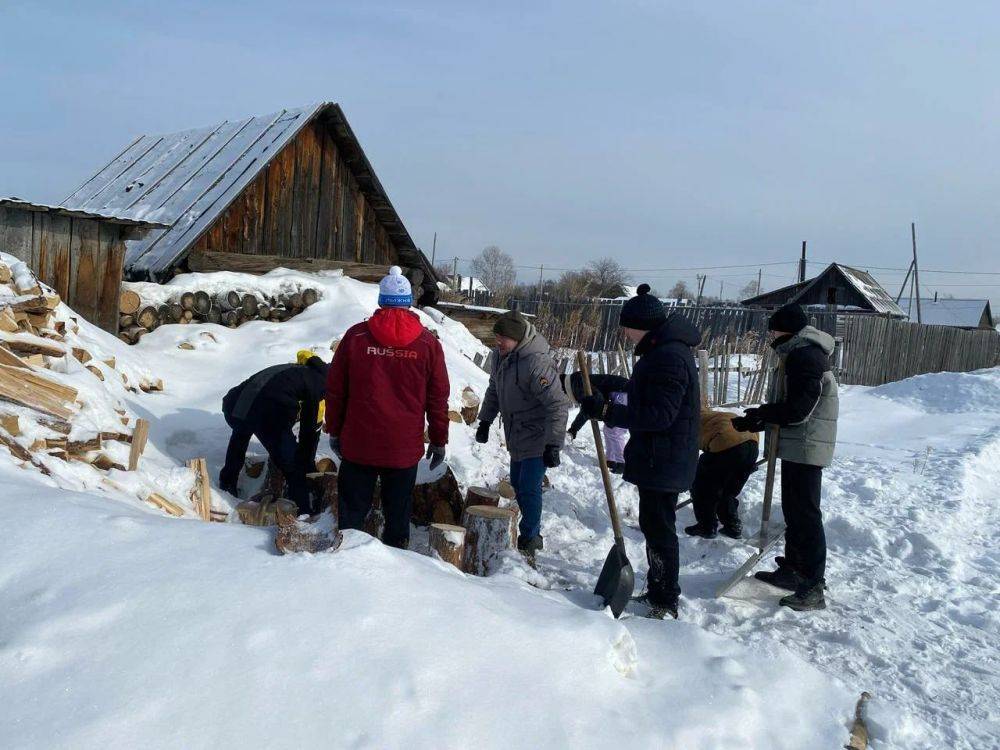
(293, 188)
(837, 287)
(80, 254)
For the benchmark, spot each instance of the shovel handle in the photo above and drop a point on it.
(772, 460)
(602, 458)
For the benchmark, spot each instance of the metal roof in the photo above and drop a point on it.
(186, 180)
(881, 301)
(871, 294)
(961, 313)
(44, 208)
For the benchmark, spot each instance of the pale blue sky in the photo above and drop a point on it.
(664, 134)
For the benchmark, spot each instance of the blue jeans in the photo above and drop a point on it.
(526, 479)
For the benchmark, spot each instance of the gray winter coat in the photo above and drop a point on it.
(525, 391)
(803, 400)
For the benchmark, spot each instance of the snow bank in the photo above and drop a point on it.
(946, 393)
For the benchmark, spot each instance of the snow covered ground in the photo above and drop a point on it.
(121, 627)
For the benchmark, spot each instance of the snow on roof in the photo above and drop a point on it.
(962, 313)
(875, 293)
(100, 216)
(463, 282)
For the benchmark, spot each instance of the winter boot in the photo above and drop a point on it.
(732, 529)
(807, 597)
(616, 467)
(705, 532)
(528, 548)
(657, 611)
(784, 578)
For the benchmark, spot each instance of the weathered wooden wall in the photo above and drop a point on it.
(305, 204)
(80, 258)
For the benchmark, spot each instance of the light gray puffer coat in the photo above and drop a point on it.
(811, 440)
(525, 391)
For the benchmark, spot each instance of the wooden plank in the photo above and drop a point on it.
(7, 357)
(278, 201)
(16, 228)
(359, 218)
(83, 288)
(253, 215)
(36, 392)
(308, 159)
(140, 434)
(165, 505)
(202, 494)
(326, 234)
(110, 262)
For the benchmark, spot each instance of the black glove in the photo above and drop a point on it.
(593, 406)
(483, 432)
(551, 456)
(749, 422)
(436, 454)
(572, 433)
(335, 447)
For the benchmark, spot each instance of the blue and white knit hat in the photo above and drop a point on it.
(394, 289)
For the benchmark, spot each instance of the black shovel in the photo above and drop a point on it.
(617, 580)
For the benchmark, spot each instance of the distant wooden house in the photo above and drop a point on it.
(293, 188)
(80, 254)
(838, 288)
(969, 314)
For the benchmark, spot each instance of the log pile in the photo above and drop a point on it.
(137, 317)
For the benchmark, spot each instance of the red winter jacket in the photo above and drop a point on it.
(387, 374)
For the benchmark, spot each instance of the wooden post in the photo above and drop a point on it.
(916, 268)
(139, 436)
(703, 375)
(447, 542)
(489, 533)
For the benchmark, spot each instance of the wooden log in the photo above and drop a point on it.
(248, 306)
(506, 489)
(186, 300)
(5, 274)
(151, 386)
(439, 501)
(201, 496)
(228, 301)
(310, 297)
(140, 434)
(129, 302)
(11, 423)
(480, 496)
(279, 314)
(202, 303)
(230, 318)
(7, 357)
(446, 542)
(187, 316)
(324, 485)
(20, 453)
(455, 416)
(96, 372)
(8, 322)
(326, 465)
(488, 536)
(148, 318)
(176, 313)
(263, 311)
(29, 344)
(165, 505)
(132, 334)
(82, 446)
(37, 392)
(294, 301)
(214, 316)
(254, 469)
(859, 727)
(125, 321)
(470, 405)
(375, 520)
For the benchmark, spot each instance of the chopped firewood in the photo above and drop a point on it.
(84, 446)
(11, 423)
(124, 421)
(58, 453)
(30, 305)
(470, 405)
(56, 425)
(96, 371)
(82, 355)
(454, 416)
(202, 494)
(139, 436)
(20, 453)
(57, 443)
(8, 322)
(326, 465)
(219, 516)
(163, 504)
(52, 301)
(447, 542)
(32, 390)
(110, 362)
(37, 445)
(120, 437)
(129, 302)
(28, 344)
(103, 462)
(36, 360)
(40, 321)
(186, 345)
(5, 274)
(59, 327)
(7, 357)
(150, 386)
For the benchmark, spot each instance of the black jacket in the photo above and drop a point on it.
(804, 370)
(606, 384)
(278, 396)
(663, 411)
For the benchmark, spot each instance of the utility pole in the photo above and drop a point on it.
(721, 284)
(916, 268)
(701, 287)
(903, 288)
(760, 274)
(802, 263)
(541, 268)
(454, 275)
(434, 249)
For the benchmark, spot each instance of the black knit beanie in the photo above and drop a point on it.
(789, 318)
(511, 324)
(643, 312)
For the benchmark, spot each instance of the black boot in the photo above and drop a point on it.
(732, 529)
(784, 578)
(657, 611)
(528, 548)
(616, 467)
(807, 597)
(706, 532)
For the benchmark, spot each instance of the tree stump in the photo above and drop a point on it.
(488, 536)
(438, 502)
(326, 464)
(479, 496)
(324, 489)
(470, 405)
(447, 542)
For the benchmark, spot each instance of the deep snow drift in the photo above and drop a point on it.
(121, 627)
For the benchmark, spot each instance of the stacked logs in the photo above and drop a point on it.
(231, 308)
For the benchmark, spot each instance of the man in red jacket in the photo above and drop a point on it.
(388, 373)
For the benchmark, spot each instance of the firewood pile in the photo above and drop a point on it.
(61, 405)
(137, 317)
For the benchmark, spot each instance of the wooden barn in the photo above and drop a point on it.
(79, 254)
(292, 189)
(838, 288)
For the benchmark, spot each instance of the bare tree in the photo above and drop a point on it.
(607, 277)
(680, 291)
(752, 289)
(495, 269)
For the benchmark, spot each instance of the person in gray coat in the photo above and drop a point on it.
(524, 390)
(803, 402)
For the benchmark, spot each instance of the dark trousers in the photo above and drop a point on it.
(805, 541)
(719, 481)
(281, 447)
(657, 516)
(526, 478)
(356, 489)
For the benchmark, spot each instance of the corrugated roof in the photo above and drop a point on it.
(881, 301)
(186, 180)
(873, 294)
(42, 207)
(961, 313)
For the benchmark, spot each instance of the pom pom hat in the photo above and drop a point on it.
(643, 312)
(394, 289)
(790, 318)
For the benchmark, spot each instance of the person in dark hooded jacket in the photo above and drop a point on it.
(267, 405)
(662, 417)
